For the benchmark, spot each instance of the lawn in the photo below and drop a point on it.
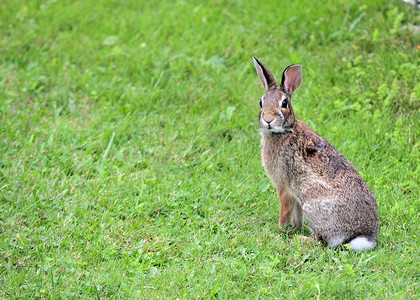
(130, 158)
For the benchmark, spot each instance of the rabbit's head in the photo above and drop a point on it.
(276, 114)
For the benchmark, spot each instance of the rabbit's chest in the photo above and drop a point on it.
(277, 166)
(277, 169)
(287, 168)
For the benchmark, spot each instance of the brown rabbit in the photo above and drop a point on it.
(309, 174)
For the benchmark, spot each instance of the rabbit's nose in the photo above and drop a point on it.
(268, 119)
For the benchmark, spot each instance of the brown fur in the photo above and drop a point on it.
(309, 174)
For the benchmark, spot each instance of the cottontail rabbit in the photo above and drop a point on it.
(309, 174)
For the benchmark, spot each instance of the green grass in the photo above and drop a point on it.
(129, 154)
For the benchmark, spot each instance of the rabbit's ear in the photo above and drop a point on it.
(292, 78)
(265, 75)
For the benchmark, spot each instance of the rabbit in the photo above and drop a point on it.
(311, 177)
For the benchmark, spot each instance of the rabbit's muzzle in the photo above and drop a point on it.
(271, 122)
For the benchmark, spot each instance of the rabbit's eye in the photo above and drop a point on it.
(261, 103)
(284, 104)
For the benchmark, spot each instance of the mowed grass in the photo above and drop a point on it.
(130, 160)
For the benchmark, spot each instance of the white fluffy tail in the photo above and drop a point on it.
(362, 243)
